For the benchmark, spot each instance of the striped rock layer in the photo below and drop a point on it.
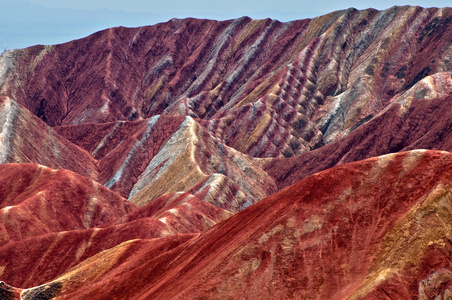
(132, 146)
(261, 87)
(365, 230)
(51, 220)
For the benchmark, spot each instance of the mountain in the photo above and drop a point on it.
(231, 159)
(366, 230)
(54, 219)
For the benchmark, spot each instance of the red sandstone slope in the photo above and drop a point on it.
(128, 156)
(33, 262)
(144, 160)
(122, 149)
(405, 125)
(54, 219)
(181, 212)
(37, 260)
(356, 231)
(36, 200)
(274, 79)
(24, 138)
(194, 120)
(258, 87)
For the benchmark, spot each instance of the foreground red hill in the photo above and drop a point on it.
(54, 219)
(366, 230)
(36, 200)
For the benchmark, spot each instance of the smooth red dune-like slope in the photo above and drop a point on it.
(36, 200)
(55, 219)
(238, 159)
(366, 230)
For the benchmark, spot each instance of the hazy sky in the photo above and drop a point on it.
(29, 22)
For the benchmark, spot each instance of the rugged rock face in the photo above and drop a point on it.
(142, 155)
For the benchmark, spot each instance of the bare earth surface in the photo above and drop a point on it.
(241, 159)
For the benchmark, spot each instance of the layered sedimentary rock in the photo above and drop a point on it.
(194, 160)
(174, 154)
(271, 77)
(205, 159)
(52, 220)
(261, 87)
(418, 124)
(122, 149)
(24, 138)
(36, 200)
(356, 231)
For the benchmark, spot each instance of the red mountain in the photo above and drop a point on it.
(367, 230)
(49, 213)
(210, 159)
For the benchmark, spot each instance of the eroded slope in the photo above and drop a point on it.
(292, 86)
(355, 231)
